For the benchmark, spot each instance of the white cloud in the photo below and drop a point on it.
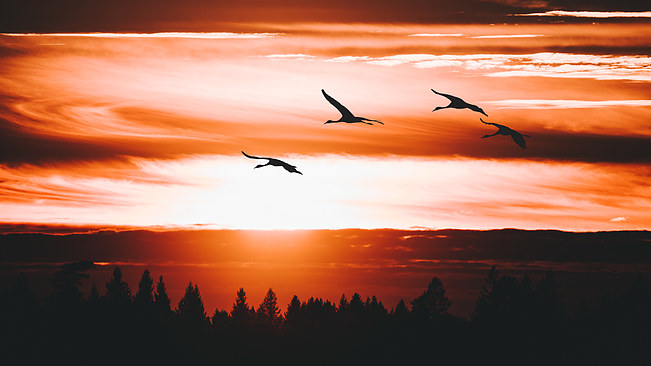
(589, 14)
(436, 35)
(349, 59)
(564, 104)
(619, 219)
(511, 36)
(290, 56)
(543, 64)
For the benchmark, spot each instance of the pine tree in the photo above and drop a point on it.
(293, 314)
(268, 311)
(144, 297)
(93, 297)
(191, 308)
(433, 303)
(401, 310)
(161, 300)
(241, 311)
(117, 290)
(219, 318)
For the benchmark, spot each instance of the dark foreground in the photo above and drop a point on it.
(516, 321)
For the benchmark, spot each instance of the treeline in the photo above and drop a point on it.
(516, 321)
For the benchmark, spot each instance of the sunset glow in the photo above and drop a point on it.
(100, 132)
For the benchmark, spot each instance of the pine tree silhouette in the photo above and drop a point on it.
(241, 312)
(293, 314)
(144, 297)
(268, 311)
(161, 300)
(433, 303)
(190, 308)
(118, 293)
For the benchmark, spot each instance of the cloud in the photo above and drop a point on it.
(179, 35)
(436, 35)
(522, 3)
(510, 36)
(352, 192)
(542, 64)
(292, 56)
(619, 219)
(589, 14)
(564, 104)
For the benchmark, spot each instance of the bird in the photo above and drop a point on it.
(274, 162)
(346, 115)
(458, 103)
(517, 137)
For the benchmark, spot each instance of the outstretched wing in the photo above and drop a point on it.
(254, 157)
(489, 123)
(517, 137)
(452, 98)
(343, 110)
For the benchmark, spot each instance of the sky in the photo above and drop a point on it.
(131, 117)
(146, 130)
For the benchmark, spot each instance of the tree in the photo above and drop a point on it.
(191, 308)
(144, 297)
(161, 300)
(433, 303)
(401, 310)
(117, 290)
(219, 318)
(293, 314)
(93, 297)
(241, 311)
(66, 284)
(268, 311)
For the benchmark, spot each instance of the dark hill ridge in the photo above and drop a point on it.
(326, 245)
(391, 264)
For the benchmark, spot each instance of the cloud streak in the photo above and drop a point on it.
(564, 104)
(178, 35)
(589, 14)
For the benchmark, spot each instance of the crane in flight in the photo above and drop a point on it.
(346, 115)
(273, 162)
(458, 103)
(517, 137)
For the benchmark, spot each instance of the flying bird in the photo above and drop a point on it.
(346, 115)
(506, 131)
(274, 162)
(458, 103)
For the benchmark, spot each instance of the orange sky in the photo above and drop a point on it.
(125, 129)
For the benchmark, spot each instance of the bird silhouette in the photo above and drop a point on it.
(458, 103)
(346, 115)
(274, 162)
(517, 137)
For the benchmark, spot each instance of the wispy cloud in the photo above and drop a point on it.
(564, 104)
(436, 35)
(510, 36)
(619, 219)
(290, 56)
(588, 14)
(185, 35)
(543, 64)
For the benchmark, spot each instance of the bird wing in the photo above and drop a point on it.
(488, 123)
(343, 110)
(517, 137)
(254, 157)
(452, 98)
